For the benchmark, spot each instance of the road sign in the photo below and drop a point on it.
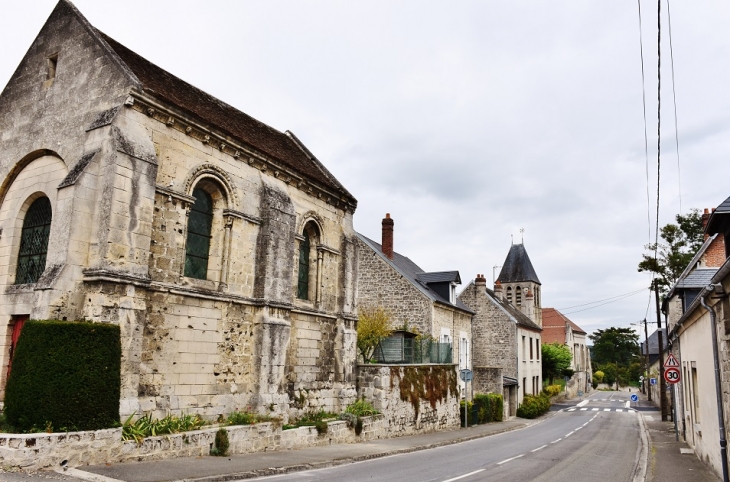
(634, 397)
(466, 375)
(652, 381)
(671, 374)
(671, 361)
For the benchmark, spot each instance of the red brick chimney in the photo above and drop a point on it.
(714, 256)
(705, 218)
(387, 243)
(480, 280)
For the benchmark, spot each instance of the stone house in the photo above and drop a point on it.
(699, 295)
(419, 301)
(221, 246)
(557, 328)
(507, 342)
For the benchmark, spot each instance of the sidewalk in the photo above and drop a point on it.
(669, 459)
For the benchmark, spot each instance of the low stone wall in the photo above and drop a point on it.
(412, 398)
(42, 451)
(577, 383)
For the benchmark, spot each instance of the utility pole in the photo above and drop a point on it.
(660, 335)
(646, 360)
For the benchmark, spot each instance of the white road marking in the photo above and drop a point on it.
(509, 460)
(583, 409)
(585, 424)
(571, 410)
(556, 441)
(606, 409)
(582, 403)
(628, 404)
(619, 410)
(649, 417)
(577, 429)
(594, 409)
(465, 475)
(83, 475)
(569, 434)
(539, 448)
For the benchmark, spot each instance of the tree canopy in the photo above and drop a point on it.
(619, 346)
(556, 360)
(679, 244)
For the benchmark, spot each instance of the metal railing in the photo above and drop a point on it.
(398, 350)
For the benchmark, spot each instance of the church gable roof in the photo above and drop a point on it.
(517, 266)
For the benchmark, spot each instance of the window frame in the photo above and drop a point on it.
(26, 232)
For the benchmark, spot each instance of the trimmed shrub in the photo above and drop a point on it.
(220, 444)
(490, 407)
(65, 376)
(533, 406)
(552, 390)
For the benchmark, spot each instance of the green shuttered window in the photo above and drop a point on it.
(34, 242)
(197, 246)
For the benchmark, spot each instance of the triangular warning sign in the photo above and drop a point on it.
(671, 361)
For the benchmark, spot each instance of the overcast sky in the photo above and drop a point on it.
(467, 121)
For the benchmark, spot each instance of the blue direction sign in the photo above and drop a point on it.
(634, 397)
(652, 381)
(466, 375)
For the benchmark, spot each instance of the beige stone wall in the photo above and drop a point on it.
(529, 368)
(119, 169)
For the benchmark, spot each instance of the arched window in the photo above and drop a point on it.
(518, 296)
(509, 294)
(34, 242)
(197, 246)
(303, 278)
(309, 261)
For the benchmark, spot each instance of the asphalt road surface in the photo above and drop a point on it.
(598, 439)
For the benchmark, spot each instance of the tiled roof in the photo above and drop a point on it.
(413, 273)
(698, 278)
(517, 266)
(440, 277)
(555, 324)
(281, 147)
(718, 219)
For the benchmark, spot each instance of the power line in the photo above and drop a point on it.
(659, 123)
(674, 98)
(600, 301)
(646, 136)
(606, 303)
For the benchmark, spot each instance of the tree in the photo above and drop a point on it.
(614, 352)
(680, 243)
(556, 360)
(372, 326)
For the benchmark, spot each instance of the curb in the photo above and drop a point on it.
(348, 460)
(642, 453)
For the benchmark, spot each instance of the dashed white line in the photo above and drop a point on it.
(569, 434)
(606, 409)
(594, 409)
(539, 448)
(619, 410)
(571, 410)
(583, 409)
(556, 441)
(582, 403)
(510, 459)
(577, 429)
(465, 475)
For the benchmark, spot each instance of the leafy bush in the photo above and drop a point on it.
(65, 376)
(533, 406)
(246, 418)
(490, 407)
(220, 444)
(146, 426)
(361, 408)
(321, 427)
(552, 390)
(312, 419)
(372, 326)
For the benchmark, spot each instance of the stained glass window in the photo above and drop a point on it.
(34, 242)
(303, 284)
(197, 246)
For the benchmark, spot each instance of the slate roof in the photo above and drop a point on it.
(690, 270)
(719, 218)
(554, 325)
(654, 345)
(416, 276)
(517, 316)
(517, 266)
(280, 147)
(698, 278)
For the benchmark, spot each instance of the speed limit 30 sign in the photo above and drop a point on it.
(671, 374)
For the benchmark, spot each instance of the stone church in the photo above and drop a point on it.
(221, 246)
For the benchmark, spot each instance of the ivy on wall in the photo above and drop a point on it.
(431, 382)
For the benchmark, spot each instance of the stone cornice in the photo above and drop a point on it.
(240, 215)
(180, 196)
(174, 119)
(322, 247)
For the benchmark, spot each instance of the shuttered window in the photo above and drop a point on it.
(34, 242)
(197, 247)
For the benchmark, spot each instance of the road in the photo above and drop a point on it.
(599, 439)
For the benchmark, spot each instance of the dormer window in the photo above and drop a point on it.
(452, 293)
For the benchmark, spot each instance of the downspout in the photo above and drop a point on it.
(718, 388)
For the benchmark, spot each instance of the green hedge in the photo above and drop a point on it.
(490, 407)
(65, 376)
(533, 406)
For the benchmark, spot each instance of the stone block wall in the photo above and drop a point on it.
(487, 380)
(47, 451)
(401, 394)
